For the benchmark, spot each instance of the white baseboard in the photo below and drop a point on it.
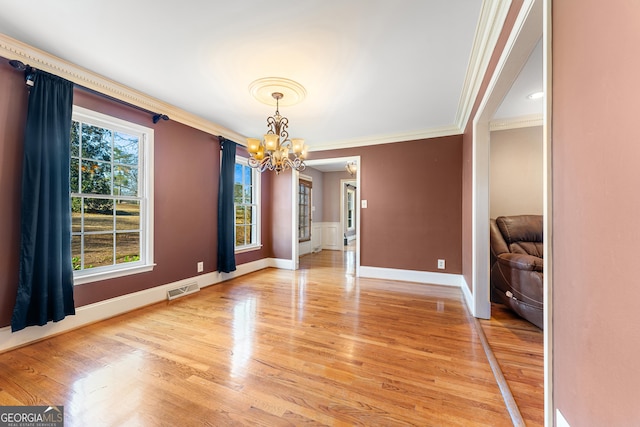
(331, 236)
(112, 307)
(283, 264)
(468, 297)
(560, 420)
(411, 276)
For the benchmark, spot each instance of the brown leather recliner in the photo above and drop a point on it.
(517, 265)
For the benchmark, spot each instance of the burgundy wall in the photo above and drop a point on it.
(596, 211)
(185, 209)
(13, 107)
(414, 208)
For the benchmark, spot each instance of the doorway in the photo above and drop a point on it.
(329, 202)
(532, 23)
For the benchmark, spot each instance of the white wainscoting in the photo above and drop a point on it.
(332, 238)
(305, 247)
(316, 237)
(112, 307)
(315, 244)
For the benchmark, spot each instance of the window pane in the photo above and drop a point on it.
(237, 176)
(76, 214)
(239, 235)
(98, 250)
(127, 215)
(240, 214)
(127, 247)
(248, 215)
(237, 193)
(125, 148)
(76, 254)
(125, 181)
(75, 139)
(97, 219)
(247, 175)
(248, 194)
(248, 234)
(96, 142)
(75, 175)
(96, 177)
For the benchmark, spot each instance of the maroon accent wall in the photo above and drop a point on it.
(596, 211)
(187, 164)
(13, 114)
(414, 212)
(467, 149)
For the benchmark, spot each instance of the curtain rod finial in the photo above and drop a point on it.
(157, 117)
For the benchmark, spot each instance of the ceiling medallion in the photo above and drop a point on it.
(292, 92)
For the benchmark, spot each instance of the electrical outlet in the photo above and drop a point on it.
(441, 264)
(200, 267)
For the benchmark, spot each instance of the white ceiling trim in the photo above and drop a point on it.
(490, 24)
(388, 139)
(36, 58)
(492, 16)
(517, 122)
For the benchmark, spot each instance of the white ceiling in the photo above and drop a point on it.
(372, 69)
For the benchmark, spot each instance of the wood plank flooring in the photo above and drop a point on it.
(519, 348)
(311, 347)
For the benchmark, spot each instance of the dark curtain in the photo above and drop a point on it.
(226, 212)
(45, 287)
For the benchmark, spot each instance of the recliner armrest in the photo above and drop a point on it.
(521, 261)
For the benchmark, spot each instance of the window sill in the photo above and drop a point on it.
(111, 274)
(248, 249)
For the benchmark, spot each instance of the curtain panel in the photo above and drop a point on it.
(226, 211)
(45, 286)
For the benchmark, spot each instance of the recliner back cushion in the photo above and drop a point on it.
(528, 248)
(520, 228)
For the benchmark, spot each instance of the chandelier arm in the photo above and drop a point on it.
(277, 158)
(284, 124)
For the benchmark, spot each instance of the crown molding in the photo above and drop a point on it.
(388, 139)
(490, 23)
(36, 58)
(517, 122)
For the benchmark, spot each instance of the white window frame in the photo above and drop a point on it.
(145, 191)
(257, 198)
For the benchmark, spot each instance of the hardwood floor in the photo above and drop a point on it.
(519, 346)
(315, 346)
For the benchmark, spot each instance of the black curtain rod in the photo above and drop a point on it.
(28, 74)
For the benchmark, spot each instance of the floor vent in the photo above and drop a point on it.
(182, 291)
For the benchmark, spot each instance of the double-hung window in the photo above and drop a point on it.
(111, 196)
(246, 197)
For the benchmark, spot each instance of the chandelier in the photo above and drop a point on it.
(276, 151)
(352, 168)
